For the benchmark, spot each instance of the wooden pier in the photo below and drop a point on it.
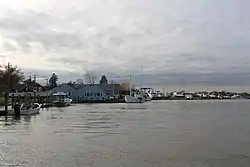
(10, 99)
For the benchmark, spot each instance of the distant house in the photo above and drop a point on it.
(90, 92)
(29, 86)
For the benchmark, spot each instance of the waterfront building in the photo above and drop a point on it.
(80, 93)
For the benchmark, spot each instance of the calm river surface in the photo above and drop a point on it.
(158, 133)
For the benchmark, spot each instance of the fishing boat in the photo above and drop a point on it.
(147, 93)
(134, 97)
(27, 109)
(61, 100)
(148, 96)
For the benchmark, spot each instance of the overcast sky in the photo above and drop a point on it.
(158, 41)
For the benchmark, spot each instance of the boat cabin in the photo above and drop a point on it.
(60, 96)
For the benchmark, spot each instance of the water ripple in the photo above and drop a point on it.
(165, 133)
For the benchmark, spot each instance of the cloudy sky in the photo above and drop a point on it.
(158, 41)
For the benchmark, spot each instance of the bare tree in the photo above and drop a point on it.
(90, 77)
(79, 81)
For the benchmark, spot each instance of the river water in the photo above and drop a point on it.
(157, 133)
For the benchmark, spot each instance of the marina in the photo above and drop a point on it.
(124, 83)
(24, 93)
(60, 99)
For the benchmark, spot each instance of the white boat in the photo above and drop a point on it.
(149, 96)
(68, 101)
(137, 98)
(235, 96)
(147, 93)
(134, 98)
(27, 110)
(61, 100)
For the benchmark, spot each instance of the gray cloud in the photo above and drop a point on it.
(202, 42)
(34, 27)
(9, 47)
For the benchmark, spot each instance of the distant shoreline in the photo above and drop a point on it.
(194, 99)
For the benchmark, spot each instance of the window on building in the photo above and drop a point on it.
(87, 94)
(98, 94)
(69, 94)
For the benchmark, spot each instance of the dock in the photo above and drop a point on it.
(44, 98)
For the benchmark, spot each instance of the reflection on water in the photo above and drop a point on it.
(165, 134)
(14, 119)
(27, 118)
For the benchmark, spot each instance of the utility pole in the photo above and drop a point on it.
(130, 86)
(47, 91)
(30, 77)
(34, 78)
(47, 82)
(112, 82)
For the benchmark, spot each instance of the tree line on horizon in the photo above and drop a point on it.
(11, 76)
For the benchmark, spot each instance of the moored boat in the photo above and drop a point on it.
(148, 96)
(61, 100)
(135, 97)
(147, 92)
(27, 109)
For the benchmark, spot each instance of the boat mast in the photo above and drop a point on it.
(130, 87)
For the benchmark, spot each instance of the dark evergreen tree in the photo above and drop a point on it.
(53, 81)
(103, 80)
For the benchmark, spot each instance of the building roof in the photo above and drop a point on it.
(29, 86)
(106, 87)
(78, 86)
(109, 86)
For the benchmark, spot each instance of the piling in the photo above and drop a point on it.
(6, 99)
(13, 101)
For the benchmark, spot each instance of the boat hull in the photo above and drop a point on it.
(60, 104)
(130, 99)
(26, 111)
(149, 97)
(68, 101)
